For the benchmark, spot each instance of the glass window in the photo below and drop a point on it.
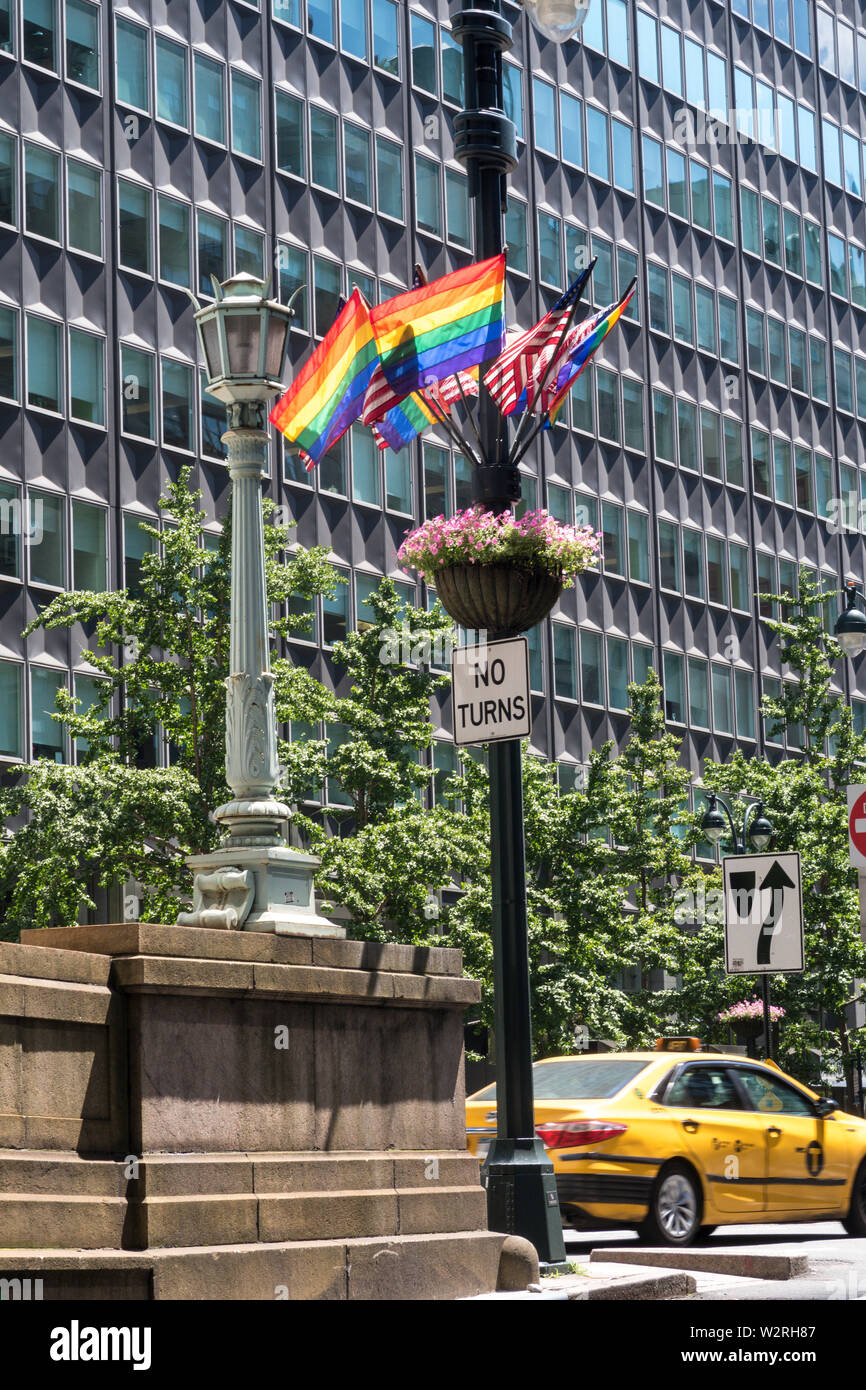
(744, 102)
(365, 467)
(669, 556)
(132, 65)
(769, 1095)
(844, 391)
(544, 103)
(602, 276)
(860, 385)
(424, 54)
(772, 231)
(627, 270)
(386, 40)
(706, 319)
(744, 693)
(134, 226)
(607, 386)
(358, 159)
(536, 665)
(437, 482)
(687, 435)
(333, 470)
(398, 482)
(755, 334)
(857, 271)
(711, 443)
(704, 1086)
(246, 115)
(751, 229)
(653, 176)
(723, 218)
(739, 567)
(693, 563)
(674, 688)
(8, 179)
(699, 702)
(647, 46)
(43, 363)
(612, 537)
(761, 461)
(84, 207)
(136, 369)
(632, 403)
(657, 278)
(729, 335)
(617, 673)
(457, 207)
(89, 553)
(793, 243)
(212, 251)
(82, 43)
(564, 662)
(572, 128)
(559, 500)
(777, 351)
(642, 662)
(550, 249)
(39, 26)
(171, 98)
(638, 547)
(136, 544)
(8, 354)
(596, 143)
(48, 738)
(838, 270)
(664, 427)
(210, 121)
(249, 252)
(173, 241)
(803, 478)
(353, 27)
(700, 181)
(213, 422)
(10, 709)
(590, 667)
(782, 471)
(818, 368)
(177, 432)
(512, 81)
(86, 376)
(41, 200)
(623, 156)
(684, 328)
(47, 549)
(10, 530)
(292, 267)
(806, 143)
(581, 402)
(389, 176)
(327, 291)
(290, 134)
(832, 157)
(851, 160)
(672, 62)
(320, 19)
(797, 352)
(717, 586)
(678, 197)
(428, 211)
(787, 126)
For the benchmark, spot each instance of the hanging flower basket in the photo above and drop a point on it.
(747, 1018)
(495, 573)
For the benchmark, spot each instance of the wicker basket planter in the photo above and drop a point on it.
(502, 597)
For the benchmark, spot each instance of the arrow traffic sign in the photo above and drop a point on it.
(763, 914)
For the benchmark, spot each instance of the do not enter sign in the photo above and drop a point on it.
(490, 692)
(857, 826)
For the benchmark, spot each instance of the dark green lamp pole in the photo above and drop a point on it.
(756, 835)
(521, 1186)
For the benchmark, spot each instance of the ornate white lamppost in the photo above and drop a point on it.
(255, 881)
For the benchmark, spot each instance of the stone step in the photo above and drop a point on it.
(406, 1267)
(72, 1223)
(55, 1174)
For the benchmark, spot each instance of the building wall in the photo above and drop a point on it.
(694, 452)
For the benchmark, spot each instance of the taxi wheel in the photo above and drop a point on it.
(855, 1221)
(675, 1208)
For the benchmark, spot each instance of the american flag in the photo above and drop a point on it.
(513, 371)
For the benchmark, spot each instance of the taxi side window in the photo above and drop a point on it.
(772, 1096)
(711, 1088)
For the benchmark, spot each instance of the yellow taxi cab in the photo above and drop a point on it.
(677, 1141)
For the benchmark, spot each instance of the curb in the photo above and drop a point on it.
(746, 1266)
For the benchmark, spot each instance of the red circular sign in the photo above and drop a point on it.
(857, 824)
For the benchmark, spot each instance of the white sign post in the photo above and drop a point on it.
(490, 692)
(763, 914)
(857, 845)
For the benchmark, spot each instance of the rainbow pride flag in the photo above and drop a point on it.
(435, 331)
(403, 423)
(327, 395)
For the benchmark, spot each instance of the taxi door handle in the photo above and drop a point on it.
(774, 1131)
(691, 1126)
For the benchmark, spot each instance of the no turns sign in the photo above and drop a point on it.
(490, 692)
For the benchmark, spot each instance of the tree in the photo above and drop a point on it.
(806, 799)
(162, 651)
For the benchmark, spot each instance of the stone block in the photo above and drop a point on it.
(192, 1175)
(37, 1173)
(314, 982)
(438, 1168)
(64, 1070)
(37, 962)
(322, 1173)
(429, 1267)
(58, 999)
(327, 1215)
(436, 1208)
(436, 989)
(314, 1271)
(194, 1221)
(387, 956)
(182, 975)
(75, 1223)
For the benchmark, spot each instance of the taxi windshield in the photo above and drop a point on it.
(578, 1078)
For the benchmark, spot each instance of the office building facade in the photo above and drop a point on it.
(718, 151)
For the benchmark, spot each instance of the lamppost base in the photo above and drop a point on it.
(266, 888)
(521, 1195)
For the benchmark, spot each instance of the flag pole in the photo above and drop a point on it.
(450, 428)
(527, 414)
(465, 401)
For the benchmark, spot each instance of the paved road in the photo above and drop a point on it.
(837, 1262)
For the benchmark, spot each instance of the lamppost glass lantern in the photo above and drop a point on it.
(850, 629)
(243, 337)
(558, 20)
(713, 824)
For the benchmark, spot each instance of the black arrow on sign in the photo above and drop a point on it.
(777, 881)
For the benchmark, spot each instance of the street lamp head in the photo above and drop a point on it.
(713, 824)
(558, 20)
(850, 629)
(243, 337)
(761, 830)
